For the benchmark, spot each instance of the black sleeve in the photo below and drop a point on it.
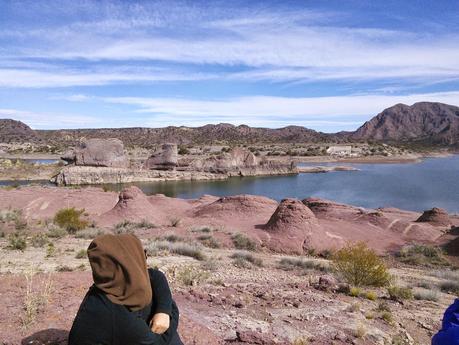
(162, 296)
(134, 330)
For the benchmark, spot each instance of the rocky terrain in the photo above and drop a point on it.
(425, 122)
(244, 269)
(102, 161)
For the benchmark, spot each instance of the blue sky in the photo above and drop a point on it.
(327, 65)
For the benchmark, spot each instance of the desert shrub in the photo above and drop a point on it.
(17, 241)
(155, 248)
(288, 264)
(204, 228)
(191, 276)
(36, 297)
(387, 317)
(145, 224)
(355, 291)
(175, 221)
(371, 295)
(39, 240)
(422, 255)
(354, 307)
(248, 257)
(64, 268)
(360, 331)
(56, 232)
(399, 293)
(89, 233)
(209, 241)
(51, 250)
(174, 238)
(70, 220)
(242, 242)
(359, 265)
(426, 295)
(383, 306)
(10, 215)
(209, 265)
(450, 286)
(81, 254)
(189, 250)
(20, 223)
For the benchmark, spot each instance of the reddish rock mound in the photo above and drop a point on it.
(329, 209)
(133, 205)
(435, 216)
(293, 228)
(237, 205)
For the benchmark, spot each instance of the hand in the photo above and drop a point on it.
(160, 323)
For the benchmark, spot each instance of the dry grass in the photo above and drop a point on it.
(36, 298)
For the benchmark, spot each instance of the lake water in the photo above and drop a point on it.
(412, 186)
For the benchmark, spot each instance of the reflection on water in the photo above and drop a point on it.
(417, 186)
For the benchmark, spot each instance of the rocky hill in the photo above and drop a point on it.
(208, 134)
(427, 123)
(433, 123)
(16, 131)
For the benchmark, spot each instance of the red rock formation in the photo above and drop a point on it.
(293, 228)
(436, 216)
(165, 158)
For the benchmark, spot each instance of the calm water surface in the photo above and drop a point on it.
(413, 186)
(410, 186)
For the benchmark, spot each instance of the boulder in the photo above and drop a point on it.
(291, 228)
(436, 216)
(98, 153)
(326, 283)
(164, 158)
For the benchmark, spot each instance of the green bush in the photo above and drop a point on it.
(69, 219)
(17, 241)
(398, 293)
(242, 242)
(355, 291)
(422, 255)
(359, 265)
(371, 295)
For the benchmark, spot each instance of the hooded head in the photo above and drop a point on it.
(119, 269)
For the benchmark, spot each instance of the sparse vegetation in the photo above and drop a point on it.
(56, 232)
(50, 250)
(355, 292)
(191, 275)
(155, 248)
(371, 295)
(450, 286)
(360, 331)
(35, 298)
(89, 233)
(209, 241)
(247, 257)
(17, 241)
(242, 242)
(81, 254)
(399, 293)
(426, 295)
(301, 341)
(288, 264)
(70, 220)
(422, 255)
(64, 268)
(359, 265)
(387, 317)
(39, 240)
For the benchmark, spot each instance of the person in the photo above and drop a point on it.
(128, 304)
(449, 333)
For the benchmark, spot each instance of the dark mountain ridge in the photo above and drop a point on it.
(423, 122)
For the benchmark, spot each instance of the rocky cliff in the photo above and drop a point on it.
(434, 123)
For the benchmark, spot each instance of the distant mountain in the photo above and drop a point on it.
(431, 123)
(15, 131)
(208, 134)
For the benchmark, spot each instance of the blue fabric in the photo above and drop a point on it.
(449, 333)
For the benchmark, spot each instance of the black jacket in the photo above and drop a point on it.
(102, 322)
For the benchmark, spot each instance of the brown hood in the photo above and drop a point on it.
(119, 269)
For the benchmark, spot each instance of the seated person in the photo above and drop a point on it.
(128, 304)
(449, 333)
